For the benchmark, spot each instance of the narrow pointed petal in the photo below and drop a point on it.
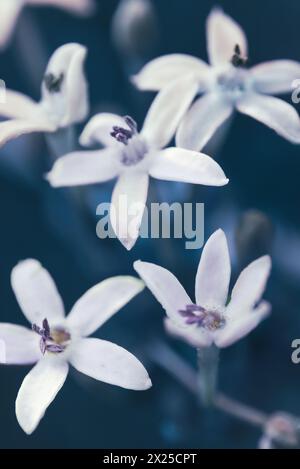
(249, 286)
(223, 35)
(110, 363)
(128, 206)
(101, 302)
(68, 103)
(99, 128)
(159, 73)
(13, 129)
(276, 76)
(213, 275)
(21, 345)
(167, 110)
(273, 112)
(176, 164)
(237, 329)
(36, 292)
(84, 167)
(77, 7)
(165, 288)
(38, 390)
(18, 106)
(206, 115)
(9, 14)
(194, 336)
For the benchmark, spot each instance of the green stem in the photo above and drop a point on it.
(208, 361)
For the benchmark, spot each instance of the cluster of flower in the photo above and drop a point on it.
(131, 157)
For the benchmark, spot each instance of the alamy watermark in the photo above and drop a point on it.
(160, 220)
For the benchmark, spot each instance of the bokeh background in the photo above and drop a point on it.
(259, 210)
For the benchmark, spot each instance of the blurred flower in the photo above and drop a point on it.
(64, 98)
(227, 84)
(211, 320)
(254, 236)
(281, 429)
(132, 157)
(134, 27)
(11, 9)
(56, 340)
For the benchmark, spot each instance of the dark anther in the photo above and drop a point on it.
(124, 135)
(237, 59)
(53, 83)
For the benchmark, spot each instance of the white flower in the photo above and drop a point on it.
(64, 98)
(11, 9)
(56, 340)
(227, 85)
(132, 157)
(211, 320)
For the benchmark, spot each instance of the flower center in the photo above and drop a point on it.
(134, 147)
(209, 319)
(232, 81)
(53, 340)
(53, 83)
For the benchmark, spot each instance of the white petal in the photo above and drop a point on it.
(9, 13)
(99, 128)
(249, 286)
(159, 72)
(18, 106)
(110, 363)
(21, 345)
(194, 336)
(176, 164)
(101, 302)
(276, 76)
(36, 292)
(167, 110)
(12, 129)
(223, 35)
(237, 329)
(69, 105)
(38, 390)
(128, 206)
(201, 122)
(77, 7)
(213, 275)
(274, 113)
(84, 167)
(166, 289)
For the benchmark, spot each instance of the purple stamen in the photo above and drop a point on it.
(55, 348)
(197, 315)
(123, 135)
(47, 343)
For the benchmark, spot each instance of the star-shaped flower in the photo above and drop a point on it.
(132, 157)
(211, 319)
(227, 84)
(11, 9)
(64, 98)
(56, 341)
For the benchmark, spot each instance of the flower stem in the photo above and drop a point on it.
(208, 362)
(167, 359)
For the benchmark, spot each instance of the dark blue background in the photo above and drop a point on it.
(40, 222)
